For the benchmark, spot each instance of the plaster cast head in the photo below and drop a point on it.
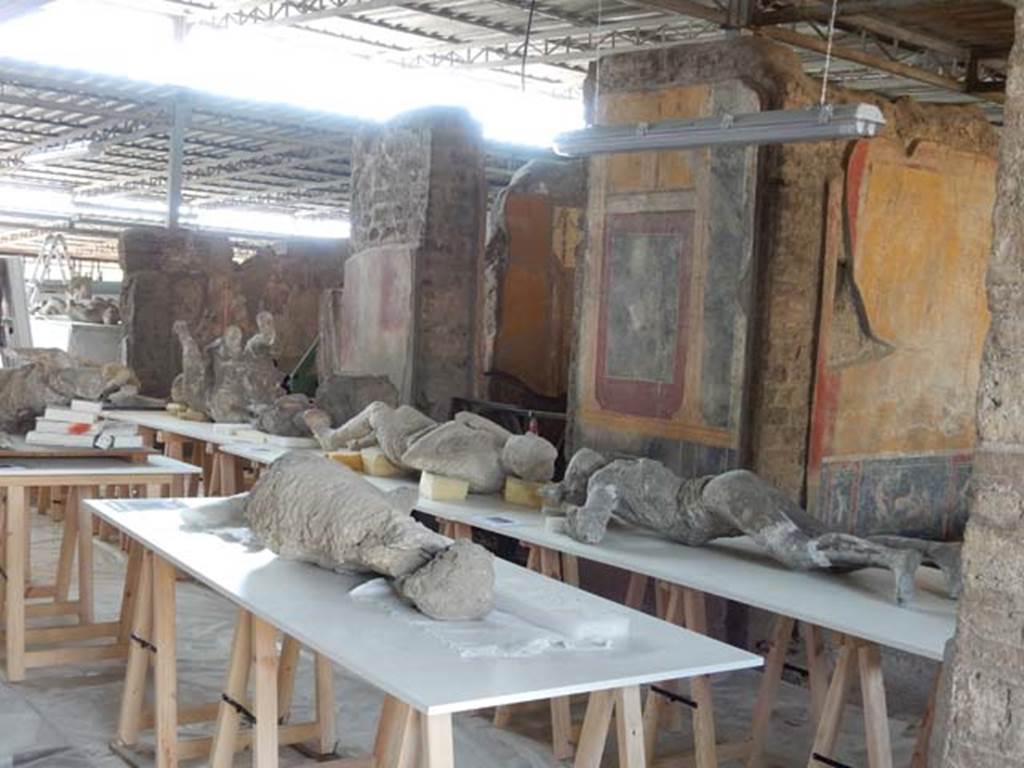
(180, 329)
(529, 457)
(265, 324)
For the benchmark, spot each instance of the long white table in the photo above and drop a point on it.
(162, 421)
(858, 606)
(416, 669)
(859, 603)
(199, 440)
(17, 477)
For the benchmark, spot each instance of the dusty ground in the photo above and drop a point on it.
(65, 718)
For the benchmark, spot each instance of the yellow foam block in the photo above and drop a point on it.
(441, 488)
(351, 459)
(523, 493)
(375, 463)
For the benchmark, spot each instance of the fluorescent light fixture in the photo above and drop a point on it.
(76, 150)
(827, 123)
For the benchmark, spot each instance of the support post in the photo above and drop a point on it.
(182, 113)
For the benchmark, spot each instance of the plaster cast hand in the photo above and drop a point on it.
(589, 523)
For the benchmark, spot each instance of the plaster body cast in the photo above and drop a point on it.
(307, 507)
(469, 448)
(228, 381)
(695, 511)
(32, 379)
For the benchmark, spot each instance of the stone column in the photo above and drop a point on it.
(982, 707)
(419, 195)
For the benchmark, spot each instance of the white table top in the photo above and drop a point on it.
(260, 453)
(314, 606)
(858, 604)
(93, 468)
(162, 420)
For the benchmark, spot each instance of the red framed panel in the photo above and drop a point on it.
(646, 274)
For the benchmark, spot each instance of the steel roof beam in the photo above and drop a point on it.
(565, 48)
(812, 43)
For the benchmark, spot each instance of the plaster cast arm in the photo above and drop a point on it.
(357, 432)
(589, 523)
(191, 355)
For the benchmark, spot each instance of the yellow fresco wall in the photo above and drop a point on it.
(921, 239)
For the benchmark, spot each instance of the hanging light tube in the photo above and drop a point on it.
(827, 123)
(76, 150)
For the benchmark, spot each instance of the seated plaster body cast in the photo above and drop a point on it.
(695, 511)
(232, 381)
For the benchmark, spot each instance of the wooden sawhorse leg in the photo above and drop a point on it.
(551, 564)
(15, 539)
(454, 530)
(253, 657)
(769, 688)
(687, 607)
(406, 739)
(924, 736)
(76, 538)
(625, 704)
(231, 480)
(868, 660)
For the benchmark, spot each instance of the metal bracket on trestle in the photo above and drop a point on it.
(672, 696)
(829, 761)
(248, 716)
(143, 642)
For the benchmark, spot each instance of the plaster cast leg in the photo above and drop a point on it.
(850, 552)
(946, 556)
(319, 424)
(356, 428)
(764, 513)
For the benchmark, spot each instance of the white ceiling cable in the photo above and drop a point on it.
(828, 51)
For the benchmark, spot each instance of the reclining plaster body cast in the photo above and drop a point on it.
(695, 511)
(32, 379)
(310, 508)
(469, 448)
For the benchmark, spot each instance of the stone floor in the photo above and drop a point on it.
(64, 718)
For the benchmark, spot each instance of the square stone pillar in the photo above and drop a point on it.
(409, 308)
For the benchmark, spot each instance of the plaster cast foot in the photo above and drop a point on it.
(904, 568)
(846, 552)
(946, 556)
